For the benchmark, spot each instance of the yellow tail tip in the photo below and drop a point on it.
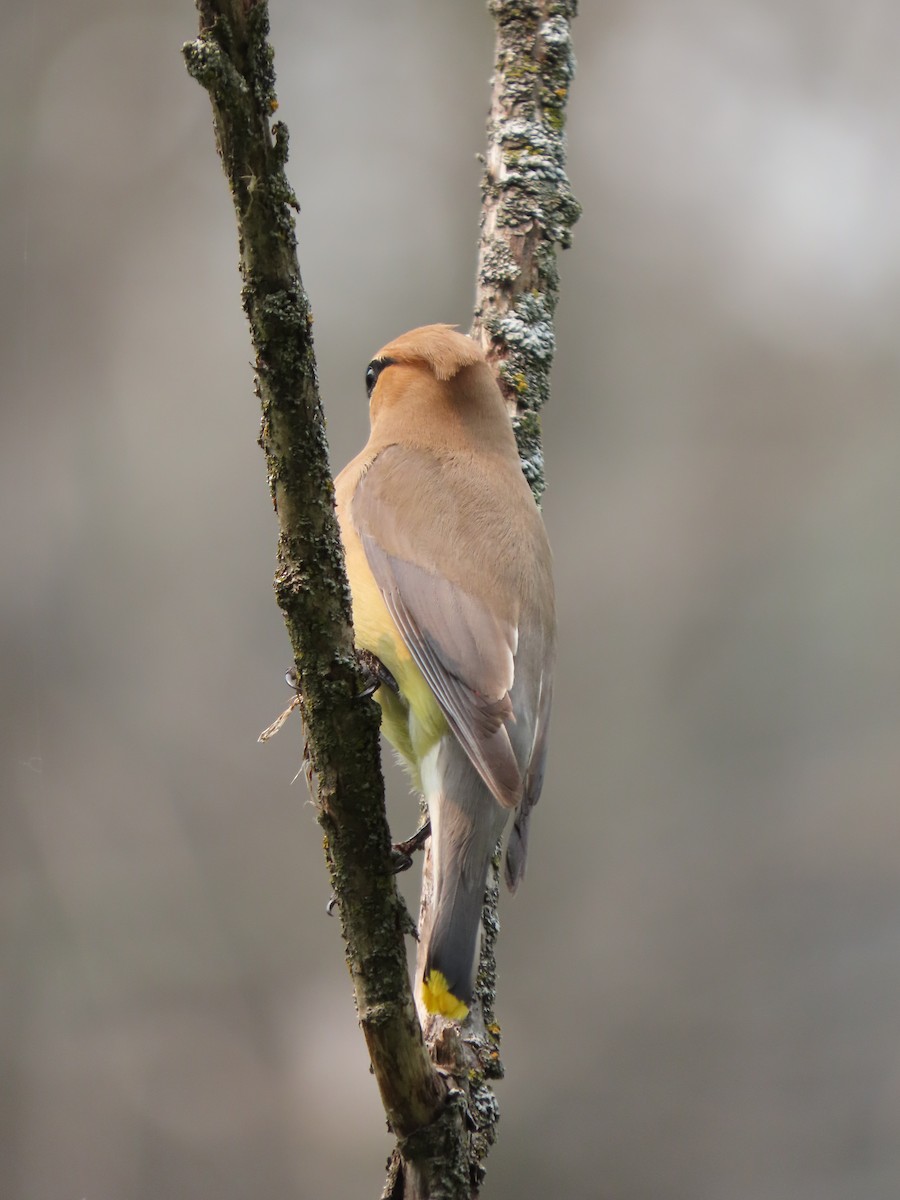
(438, 998)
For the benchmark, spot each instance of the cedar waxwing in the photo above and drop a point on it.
(450, 575)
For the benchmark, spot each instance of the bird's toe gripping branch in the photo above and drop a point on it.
(374, 673)
(402, 852)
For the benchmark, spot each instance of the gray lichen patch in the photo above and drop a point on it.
(528, 328)
(534, 186)
(527, 429)
(498, 265)
(211, 68)
(262, 57)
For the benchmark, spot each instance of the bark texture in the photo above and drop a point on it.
(528, 210)
(232, 59)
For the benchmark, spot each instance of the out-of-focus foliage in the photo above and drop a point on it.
(700, 979)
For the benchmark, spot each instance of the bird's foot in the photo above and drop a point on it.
(375, 673)
(402, 852)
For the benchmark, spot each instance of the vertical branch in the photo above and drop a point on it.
(528, 210)
(232, 60)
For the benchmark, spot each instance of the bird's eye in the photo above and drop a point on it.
(374, 369)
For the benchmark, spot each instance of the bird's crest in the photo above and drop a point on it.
(440, 347)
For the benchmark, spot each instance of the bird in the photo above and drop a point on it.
(451, 585)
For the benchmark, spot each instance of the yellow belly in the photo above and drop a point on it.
(413, 721)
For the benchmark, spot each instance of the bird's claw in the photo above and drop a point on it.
(402, 852)
(375, 674)
(400, 861)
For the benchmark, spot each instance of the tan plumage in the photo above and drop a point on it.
(449, 570)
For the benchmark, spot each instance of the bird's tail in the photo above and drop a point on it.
(466, 822)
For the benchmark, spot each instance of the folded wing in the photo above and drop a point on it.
(414, 516)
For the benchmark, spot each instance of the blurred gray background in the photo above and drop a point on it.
(700, 981)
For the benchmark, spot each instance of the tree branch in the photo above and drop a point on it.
(232, 60)
(528, 209)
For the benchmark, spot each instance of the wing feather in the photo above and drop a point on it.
(465, 655)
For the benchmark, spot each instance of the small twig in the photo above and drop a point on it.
(278, 723)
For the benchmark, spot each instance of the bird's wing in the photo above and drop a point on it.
(408, 521)
(517, 846)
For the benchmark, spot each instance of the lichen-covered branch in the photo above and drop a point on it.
(231, 59)
(528, 209)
